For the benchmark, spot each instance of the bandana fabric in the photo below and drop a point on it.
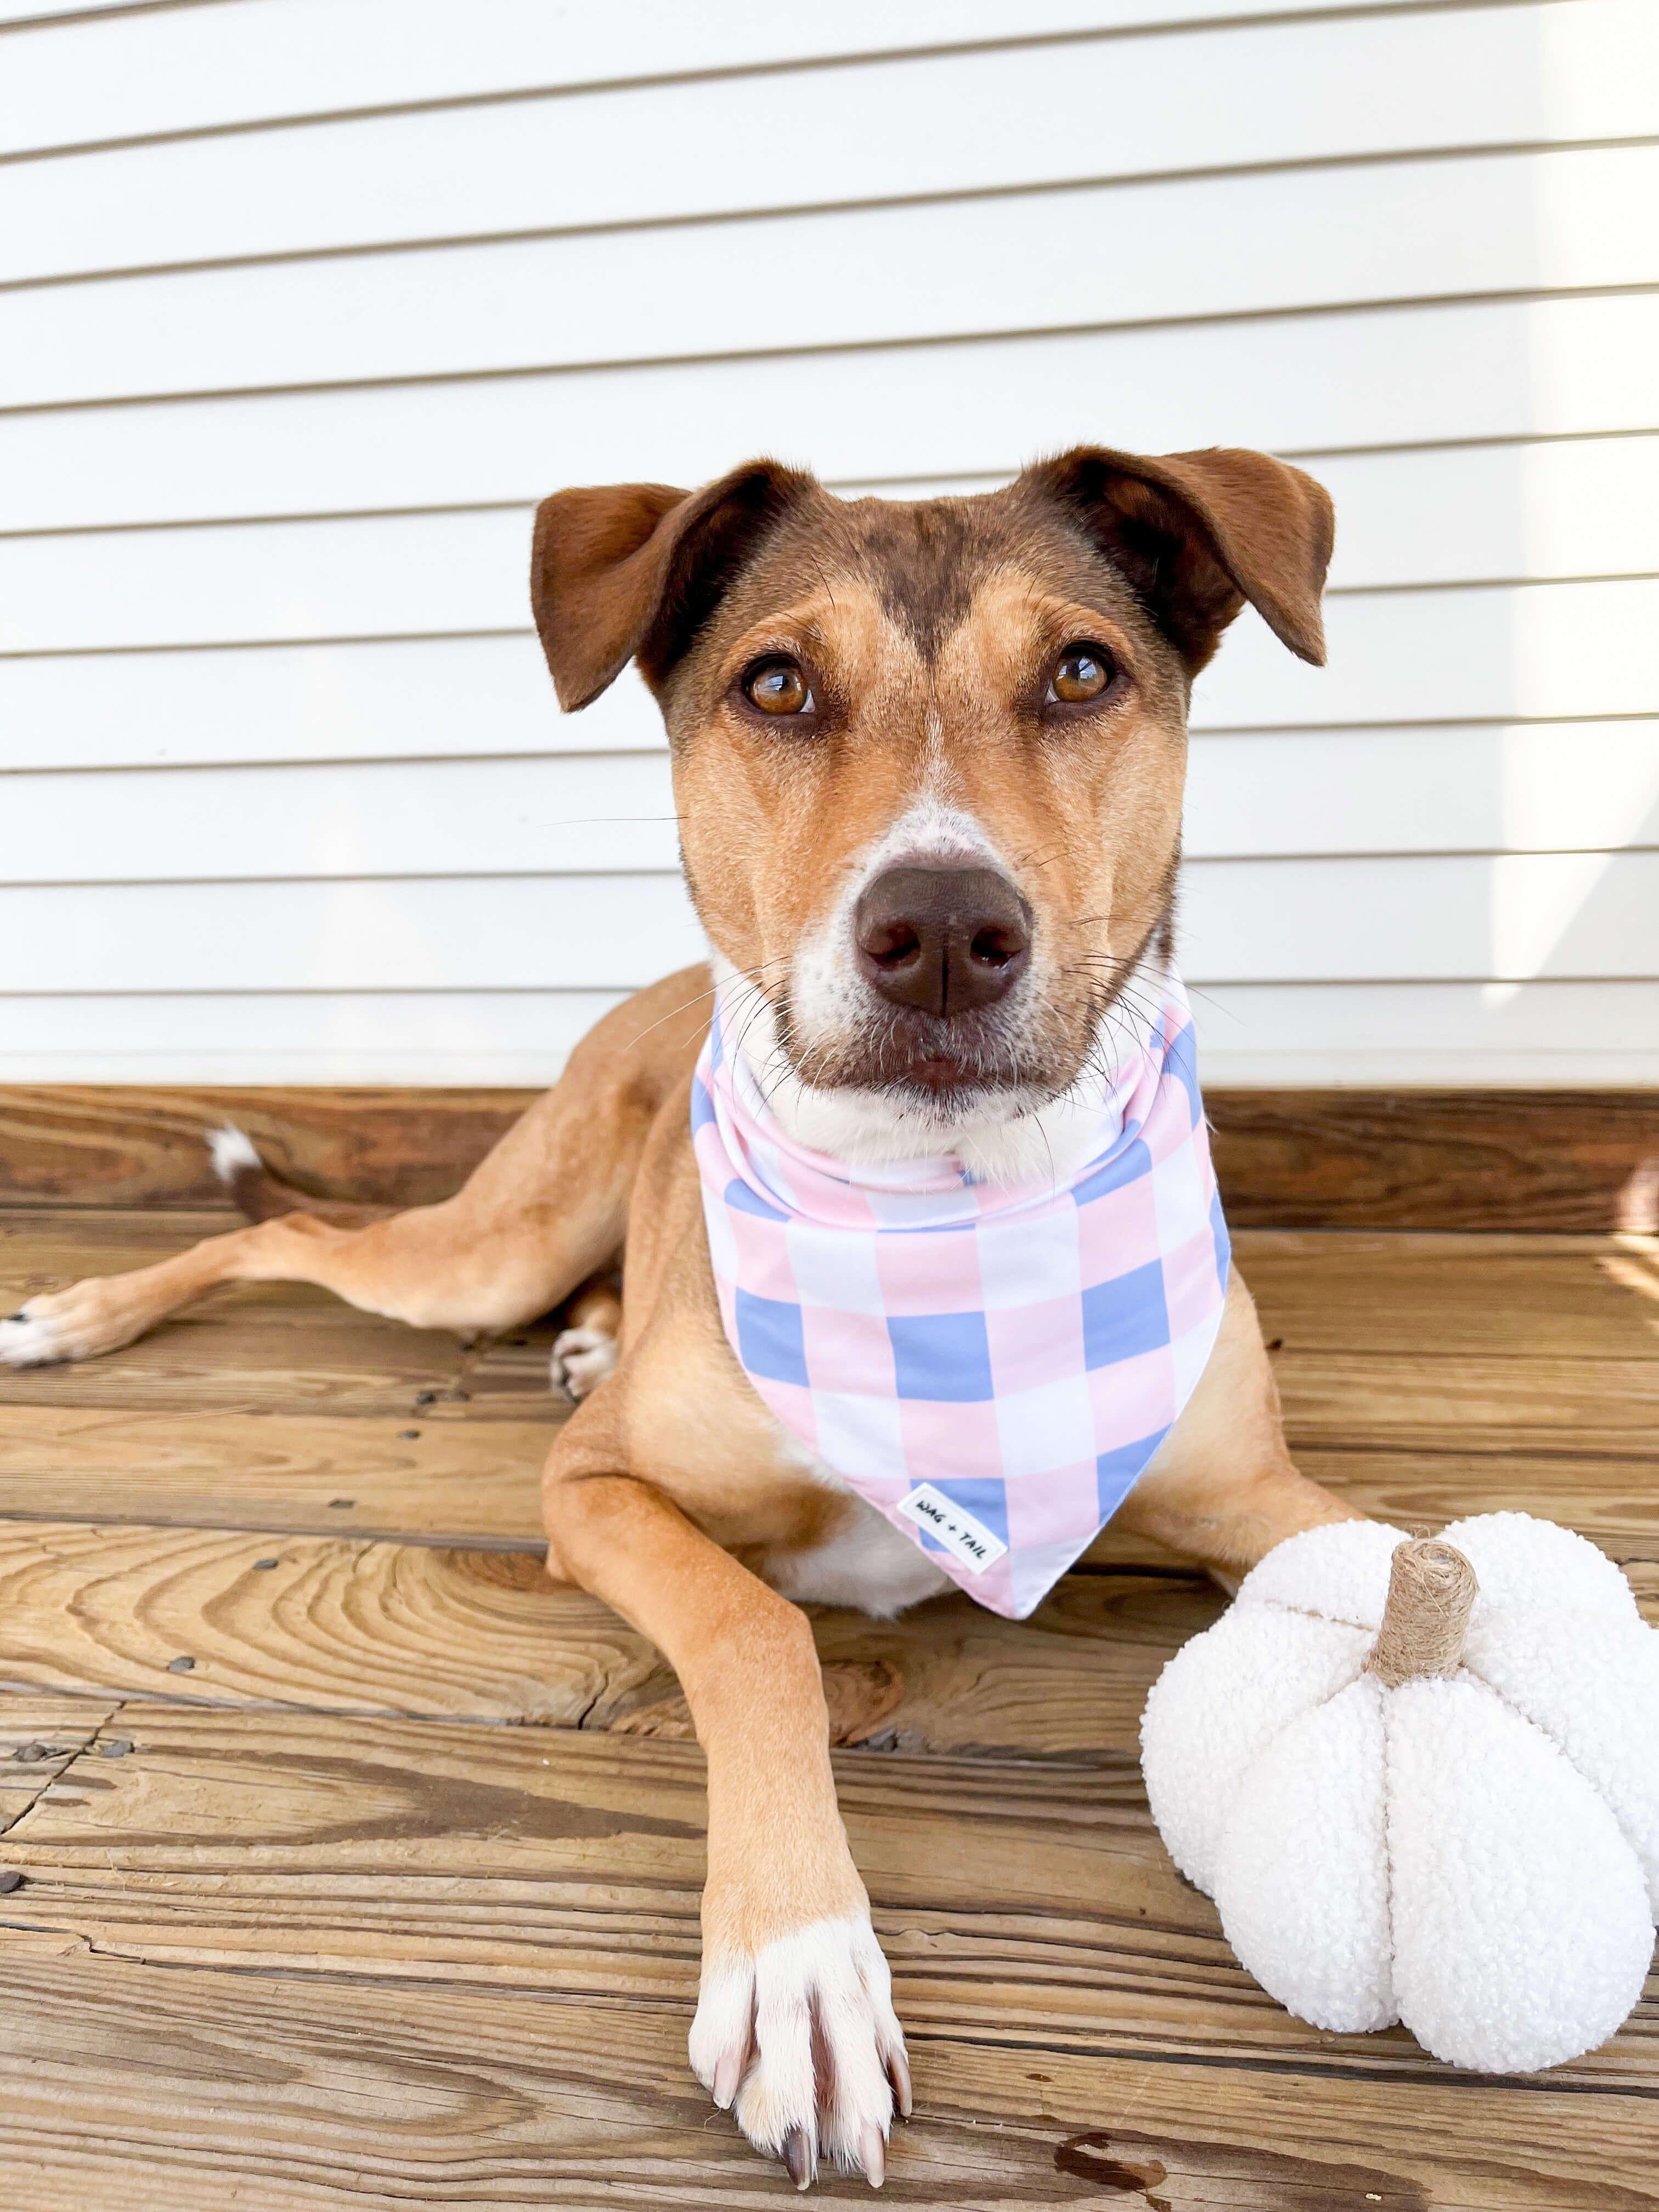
(990, 1366)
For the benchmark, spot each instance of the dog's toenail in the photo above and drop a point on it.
(798, 2156)
(727, 2074)
(898, 2073)
(874, 2151)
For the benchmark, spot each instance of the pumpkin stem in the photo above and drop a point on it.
(1432, 1593)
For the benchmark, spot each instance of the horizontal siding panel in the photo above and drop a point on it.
(1528, 1034)
(1566, 915)
(1579, 1035)
(207, 67)
(1531, 787)
(1570, 509)
(578, 814)
(305, 702)
(1548, 651)
(1237, 246)
(1563, 915)
(552, 932)
(320, 1036)
(1441, 373)
(1542, 651)
(956, 123)
(1561, 787)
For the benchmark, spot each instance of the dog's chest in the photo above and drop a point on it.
(866, 1563)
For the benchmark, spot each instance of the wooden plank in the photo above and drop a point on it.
(177, 2090)
(1428, 1402)
(1236, 246)
(1310, 387)
(1509, 1296)
(473, 1482)
(352, 1625)
(569, 1867)
(97, 1146)
(244, 1350)
(1011, 1901)
(1348, 1160)
(1475, 1159)
(39, 1739)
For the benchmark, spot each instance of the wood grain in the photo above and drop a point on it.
(305, 1921)
(1498, 1160)
(38, 1738)
(1437, 1159)
(540, 1887)
(351, 1625)
(183, 2090)
(1011, 1902)
(402, 1475)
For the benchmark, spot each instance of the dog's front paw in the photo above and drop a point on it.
(28, 1338)
(582, 1358)
(802, 2039)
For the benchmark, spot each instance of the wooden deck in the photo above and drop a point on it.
(360, 1864)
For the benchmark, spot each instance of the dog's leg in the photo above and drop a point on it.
(548, 1206)
(794, 2024)
(1222, 1486)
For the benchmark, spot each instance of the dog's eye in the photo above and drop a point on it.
(778, 687)
(1082, 671)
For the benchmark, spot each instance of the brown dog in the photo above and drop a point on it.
(985, 697)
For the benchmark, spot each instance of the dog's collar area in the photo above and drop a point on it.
(990, 1364)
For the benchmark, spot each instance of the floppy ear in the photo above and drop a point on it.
(1197, 534)
(620, 571)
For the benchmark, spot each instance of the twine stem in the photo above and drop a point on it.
(1432, 1593)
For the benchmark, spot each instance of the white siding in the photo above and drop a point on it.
(303, 303)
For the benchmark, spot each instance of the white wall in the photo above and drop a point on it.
(303, 303)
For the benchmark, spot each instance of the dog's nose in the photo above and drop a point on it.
(942, 939)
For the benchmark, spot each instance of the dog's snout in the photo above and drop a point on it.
(944, 940)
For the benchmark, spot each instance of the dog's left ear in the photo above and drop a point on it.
(1197, 534)
(620, 571)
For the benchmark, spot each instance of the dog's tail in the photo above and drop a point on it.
(262, 1195)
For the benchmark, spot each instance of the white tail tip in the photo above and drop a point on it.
(231, 1151)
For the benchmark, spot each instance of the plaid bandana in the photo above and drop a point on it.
(991, 1366)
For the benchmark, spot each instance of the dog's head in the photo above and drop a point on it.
(928, 756)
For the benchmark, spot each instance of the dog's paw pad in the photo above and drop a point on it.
(582, 1358)
(802, 2042)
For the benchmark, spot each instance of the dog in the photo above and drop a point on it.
(928, 761)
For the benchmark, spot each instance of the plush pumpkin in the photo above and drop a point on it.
(1421, 1782)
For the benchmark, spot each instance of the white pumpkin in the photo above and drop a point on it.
(1405, 1818)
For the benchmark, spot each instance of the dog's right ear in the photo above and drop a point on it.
(625, 572)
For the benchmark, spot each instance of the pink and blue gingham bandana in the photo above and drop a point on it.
(990, 1366)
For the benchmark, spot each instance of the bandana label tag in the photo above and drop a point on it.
(966, 1539)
